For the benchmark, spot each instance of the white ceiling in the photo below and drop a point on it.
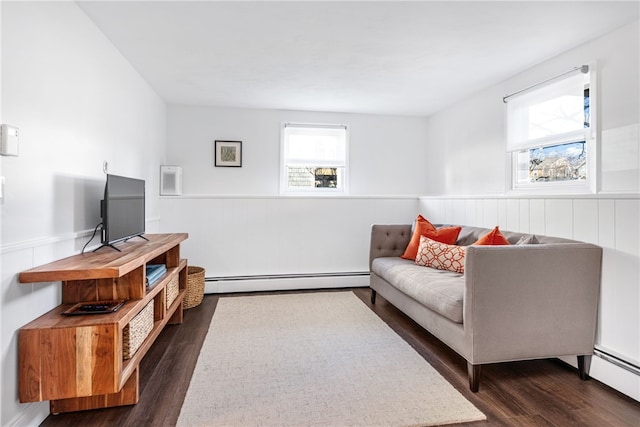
(406, 58)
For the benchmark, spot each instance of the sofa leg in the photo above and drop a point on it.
(584, 364)
(473, 372)
(373, 296)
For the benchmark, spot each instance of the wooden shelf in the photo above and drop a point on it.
(106, 262)
(77, 362)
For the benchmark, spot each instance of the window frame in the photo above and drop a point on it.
(342, 189)
(588, 186)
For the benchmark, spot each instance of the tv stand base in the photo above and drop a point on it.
(106, 245)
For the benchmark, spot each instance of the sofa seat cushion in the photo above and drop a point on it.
(439, 290)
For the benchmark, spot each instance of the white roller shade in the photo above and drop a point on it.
(549, 114)
(317, 146)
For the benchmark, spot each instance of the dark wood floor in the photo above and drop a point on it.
(531, 393)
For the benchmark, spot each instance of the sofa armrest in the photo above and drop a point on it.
(531, 301)
(388, 240)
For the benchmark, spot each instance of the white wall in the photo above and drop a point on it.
(238, 223)
(1, 188)
(77, 103)
(468, 168)
(467, 142)
(262, 235)
(386, 152)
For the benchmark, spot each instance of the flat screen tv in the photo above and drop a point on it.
(122, 209)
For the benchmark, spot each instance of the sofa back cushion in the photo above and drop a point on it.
(469, 235)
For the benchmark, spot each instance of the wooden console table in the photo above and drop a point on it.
(77, 362)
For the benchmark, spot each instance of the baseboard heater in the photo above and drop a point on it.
(286, 276)
(283, 282)
(619, 362)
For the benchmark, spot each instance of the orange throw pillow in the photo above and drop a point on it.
(421, 228)
(448, 235)
(492, 238)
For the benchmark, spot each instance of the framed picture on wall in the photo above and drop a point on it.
(228, 153)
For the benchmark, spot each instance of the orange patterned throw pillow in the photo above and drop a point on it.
(423, 227)
(440, 255)
(492, 238)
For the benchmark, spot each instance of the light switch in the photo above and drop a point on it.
(9, 140)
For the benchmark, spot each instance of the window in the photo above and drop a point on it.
(314, 158)
(549, 134)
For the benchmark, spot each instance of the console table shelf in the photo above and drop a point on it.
(77, 362)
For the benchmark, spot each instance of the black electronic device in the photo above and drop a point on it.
(122, 209)
(94, 307)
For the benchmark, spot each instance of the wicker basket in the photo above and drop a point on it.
(195, 287)
(172, 290)
(137, 330)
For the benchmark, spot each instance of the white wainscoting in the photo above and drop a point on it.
(259, 236)
(610, 221)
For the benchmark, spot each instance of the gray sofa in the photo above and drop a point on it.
(516, 302)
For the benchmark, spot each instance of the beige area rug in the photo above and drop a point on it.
(318, 359)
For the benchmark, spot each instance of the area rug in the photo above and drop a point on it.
(315, 359)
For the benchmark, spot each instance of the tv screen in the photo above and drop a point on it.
(123, 214)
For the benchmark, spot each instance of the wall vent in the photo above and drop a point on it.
(170, 180)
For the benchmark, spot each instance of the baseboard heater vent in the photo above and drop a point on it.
(286, 276)
(621, 363)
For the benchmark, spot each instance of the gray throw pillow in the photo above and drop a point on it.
(528, 239)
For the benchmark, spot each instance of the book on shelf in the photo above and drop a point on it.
(154, 272)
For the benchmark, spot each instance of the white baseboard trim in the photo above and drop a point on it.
(221, 285)
(608, 373)
(614, 376)
(33, 414)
